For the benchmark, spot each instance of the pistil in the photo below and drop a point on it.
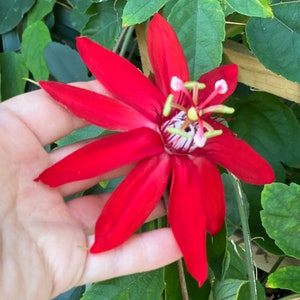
(189, 124)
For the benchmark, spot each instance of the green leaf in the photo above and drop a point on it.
(270, 127)
(276, 41)
(34, 40)
(226, 289)
(244, 292)
(142, 286)
(280, 216)
(172, 284)
(286, 278)
(79, 16)
(233, 221)
(216, 250)
(40, 10)
(201, 34)
(104, 26)
(64, 63)
(80, 135)
(73, 294)
(12, 71)
(226, 8)
(12, 12)
(235, 262)
(138, 11)
(253, 8)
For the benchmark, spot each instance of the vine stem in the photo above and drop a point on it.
(242, 207)
(184, 291)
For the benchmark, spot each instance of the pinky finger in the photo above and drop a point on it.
(141, 253)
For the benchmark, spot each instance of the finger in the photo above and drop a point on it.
(45, 117)
(141, 253)
(88, 208)
(82, 185)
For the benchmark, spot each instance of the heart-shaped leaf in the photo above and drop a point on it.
(200, 29)
(280, 216)
(276, 41)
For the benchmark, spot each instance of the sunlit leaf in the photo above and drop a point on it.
(255, 8)
(34, 40)
(286, 278)
(40, 10)
(12, 71)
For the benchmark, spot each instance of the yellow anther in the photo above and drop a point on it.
(179, 132)
(168, 105)
(192, 114)
(210, 134)
(191, 84)
(222, 109)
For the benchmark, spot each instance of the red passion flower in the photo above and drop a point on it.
(170, 129)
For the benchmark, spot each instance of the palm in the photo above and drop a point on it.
(44, 240)
(38, 224)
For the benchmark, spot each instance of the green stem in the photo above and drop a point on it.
(126, 41)
(120, 39)
(242, 206)
(182, 281)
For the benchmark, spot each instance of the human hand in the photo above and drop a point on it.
(44, 240)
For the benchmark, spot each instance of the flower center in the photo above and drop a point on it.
(186, 127)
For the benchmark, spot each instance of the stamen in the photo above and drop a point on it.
(192, 114)
(210, 134)
(179, 132)
(177, 85)
(207, 126)
(194, 87)
(221, 86)
(223, 109)
(191, 84)
(168, 105)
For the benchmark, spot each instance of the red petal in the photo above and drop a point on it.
(96, 108)
(229, 73)
(187, 216)
(165, 53)
(212, 195)
(239, 158)
(103, 155)
(121, 78)
(131, 203)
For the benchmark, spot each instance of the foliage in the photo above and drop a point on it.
(38, 42)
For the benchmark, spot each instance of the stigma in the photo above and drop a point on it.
(186, 126)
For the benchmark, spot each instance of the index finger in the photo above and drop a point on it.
(46, 118)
